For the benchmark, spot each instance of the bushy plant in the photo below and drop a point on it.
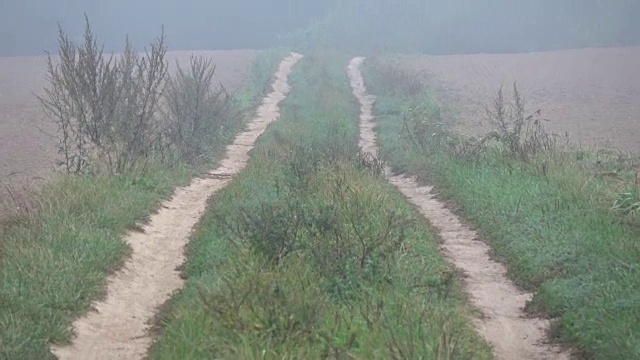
(105, 107)
(265, 303)
(523, 136)
(197, 112)
(353, 239)
(272, 229)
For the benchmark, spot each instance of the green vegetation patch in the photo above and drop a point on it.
(55, 255)
(310, 253)
(564, 230)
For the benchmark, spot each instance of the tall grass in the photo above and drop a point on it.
(310, 253)
(55, 257)
(548, 216)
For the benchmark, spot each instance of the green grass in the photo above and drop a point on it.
(310, 253)
(54, 261)
(262, 76)
(550, 221)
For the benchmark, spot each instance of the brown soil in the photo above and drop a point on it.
(119, 326)
(504, 323)
(27, 137)
(591, 94)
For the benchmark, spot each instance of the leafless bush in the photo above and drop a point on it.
(105, 107)
(196, 110)
(524, 136)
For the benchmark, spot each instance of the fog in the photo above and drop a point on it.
(471, 26)
(28, 27)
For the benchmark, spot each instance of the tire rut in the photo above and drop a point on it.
(504, 324)
(118, 328)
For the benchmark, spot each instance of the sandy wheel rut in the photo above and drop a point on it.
(118, 328)
(504, 324)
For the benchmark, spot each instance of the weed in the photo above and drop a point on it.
(354, 240)
(272, 229)
(523, 136)
(278, 303)
(105, 107)
(196, 112)
(422, 126)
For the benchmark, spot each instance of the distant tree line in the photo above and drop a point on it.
(430, 26)
(468, 26)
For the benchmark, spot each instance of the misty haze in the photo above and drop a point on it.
(367, 179)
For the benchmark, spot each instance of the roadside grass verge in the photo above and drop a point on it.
(310, 253)
(551, 219)
(55, 255)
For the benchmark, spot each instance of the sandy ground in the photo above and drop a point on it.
(504, 323)
(118, 328)
(592, 94)
(27, 143)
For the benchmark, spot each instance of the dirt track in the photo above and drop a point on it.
(504, 323)
(27, 154)
(118, 329)
(593, 94)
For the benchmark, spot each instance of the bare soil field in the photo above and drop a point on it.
(27, 141)
(591, 94)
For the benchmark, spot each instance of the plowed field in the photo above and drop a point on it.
(591, 94)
